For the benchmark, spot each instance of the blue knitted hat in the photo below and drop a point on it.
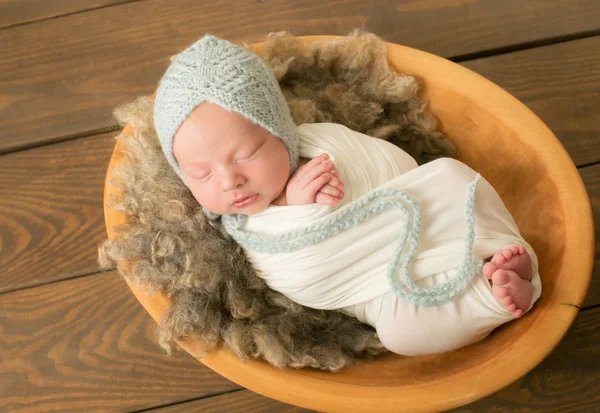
(215, 70)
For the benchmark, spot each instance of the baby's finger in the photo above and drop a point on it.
(316, 161)
(325, 199)
(316, 171)
(316, 184)
(303, 170)
(336, 182)
(330, 190)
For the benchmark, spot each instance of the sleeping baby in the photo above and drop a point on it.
(336, 220)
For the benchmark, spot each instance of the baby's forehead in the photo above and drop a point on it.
(220, 134)
(208, 115)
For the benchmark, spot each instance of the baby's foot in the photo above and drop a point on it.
(515, 259)
(510, 272)
(511, 291)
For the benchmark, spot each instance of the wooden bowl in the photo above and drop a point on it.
(512, 148)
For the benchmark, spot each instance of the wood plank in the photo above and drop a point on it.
(62, 77)
(51, 214)
(243, 401)
(51, 218)
(591, 179)
(567, 381)
(561, 84)
(86, 342)
(86, 345)
(26, 11)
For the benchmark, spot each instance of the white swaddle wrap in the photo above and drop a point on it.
(350, 269)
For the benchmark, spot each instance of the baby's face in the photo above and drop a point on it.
(231, 165)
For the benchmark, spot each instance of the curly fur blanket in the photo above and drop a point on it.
(216, 296)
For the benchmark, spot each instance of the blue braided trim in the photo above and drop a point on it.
(356, 213)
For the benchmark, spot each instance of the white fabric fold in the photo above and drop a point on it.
(351, 267)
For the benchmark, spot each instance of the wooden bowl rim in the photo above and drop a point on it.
(320, 390)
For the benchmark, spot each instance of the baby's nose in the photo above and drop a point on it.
(232, 180)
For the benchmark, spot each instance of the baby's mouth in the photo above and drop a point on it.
(246, 201)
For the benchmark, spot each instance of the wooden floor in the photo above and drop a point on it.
(74, 339)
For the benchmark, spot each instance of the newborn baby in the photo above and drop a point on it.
(226, 130)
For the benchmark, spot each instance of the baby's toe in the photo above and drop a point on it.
(488, 269)
(500, 277)
(517, 313)
(501, 292)
(498, 259)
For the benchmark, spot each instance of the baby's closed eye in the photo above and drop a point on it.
(248, 155)
(201, 176)
(197, 172)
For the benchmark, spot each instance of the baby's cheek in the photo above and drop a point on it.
(278, 177)
(196, 193)
(206, 196)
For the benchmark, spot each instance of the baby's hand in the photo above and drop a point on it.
(317, 181)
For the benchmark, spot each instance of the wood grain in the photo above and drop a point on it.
(567, 381)
(86, 345)
(591, 179)
(62, 77)
(550, 388)
(51, 216)
(561, 84)
(26, 11)
(496, 135)
(243, 401)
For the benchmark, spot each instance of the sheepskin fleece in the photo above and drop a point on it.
(216, 296)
